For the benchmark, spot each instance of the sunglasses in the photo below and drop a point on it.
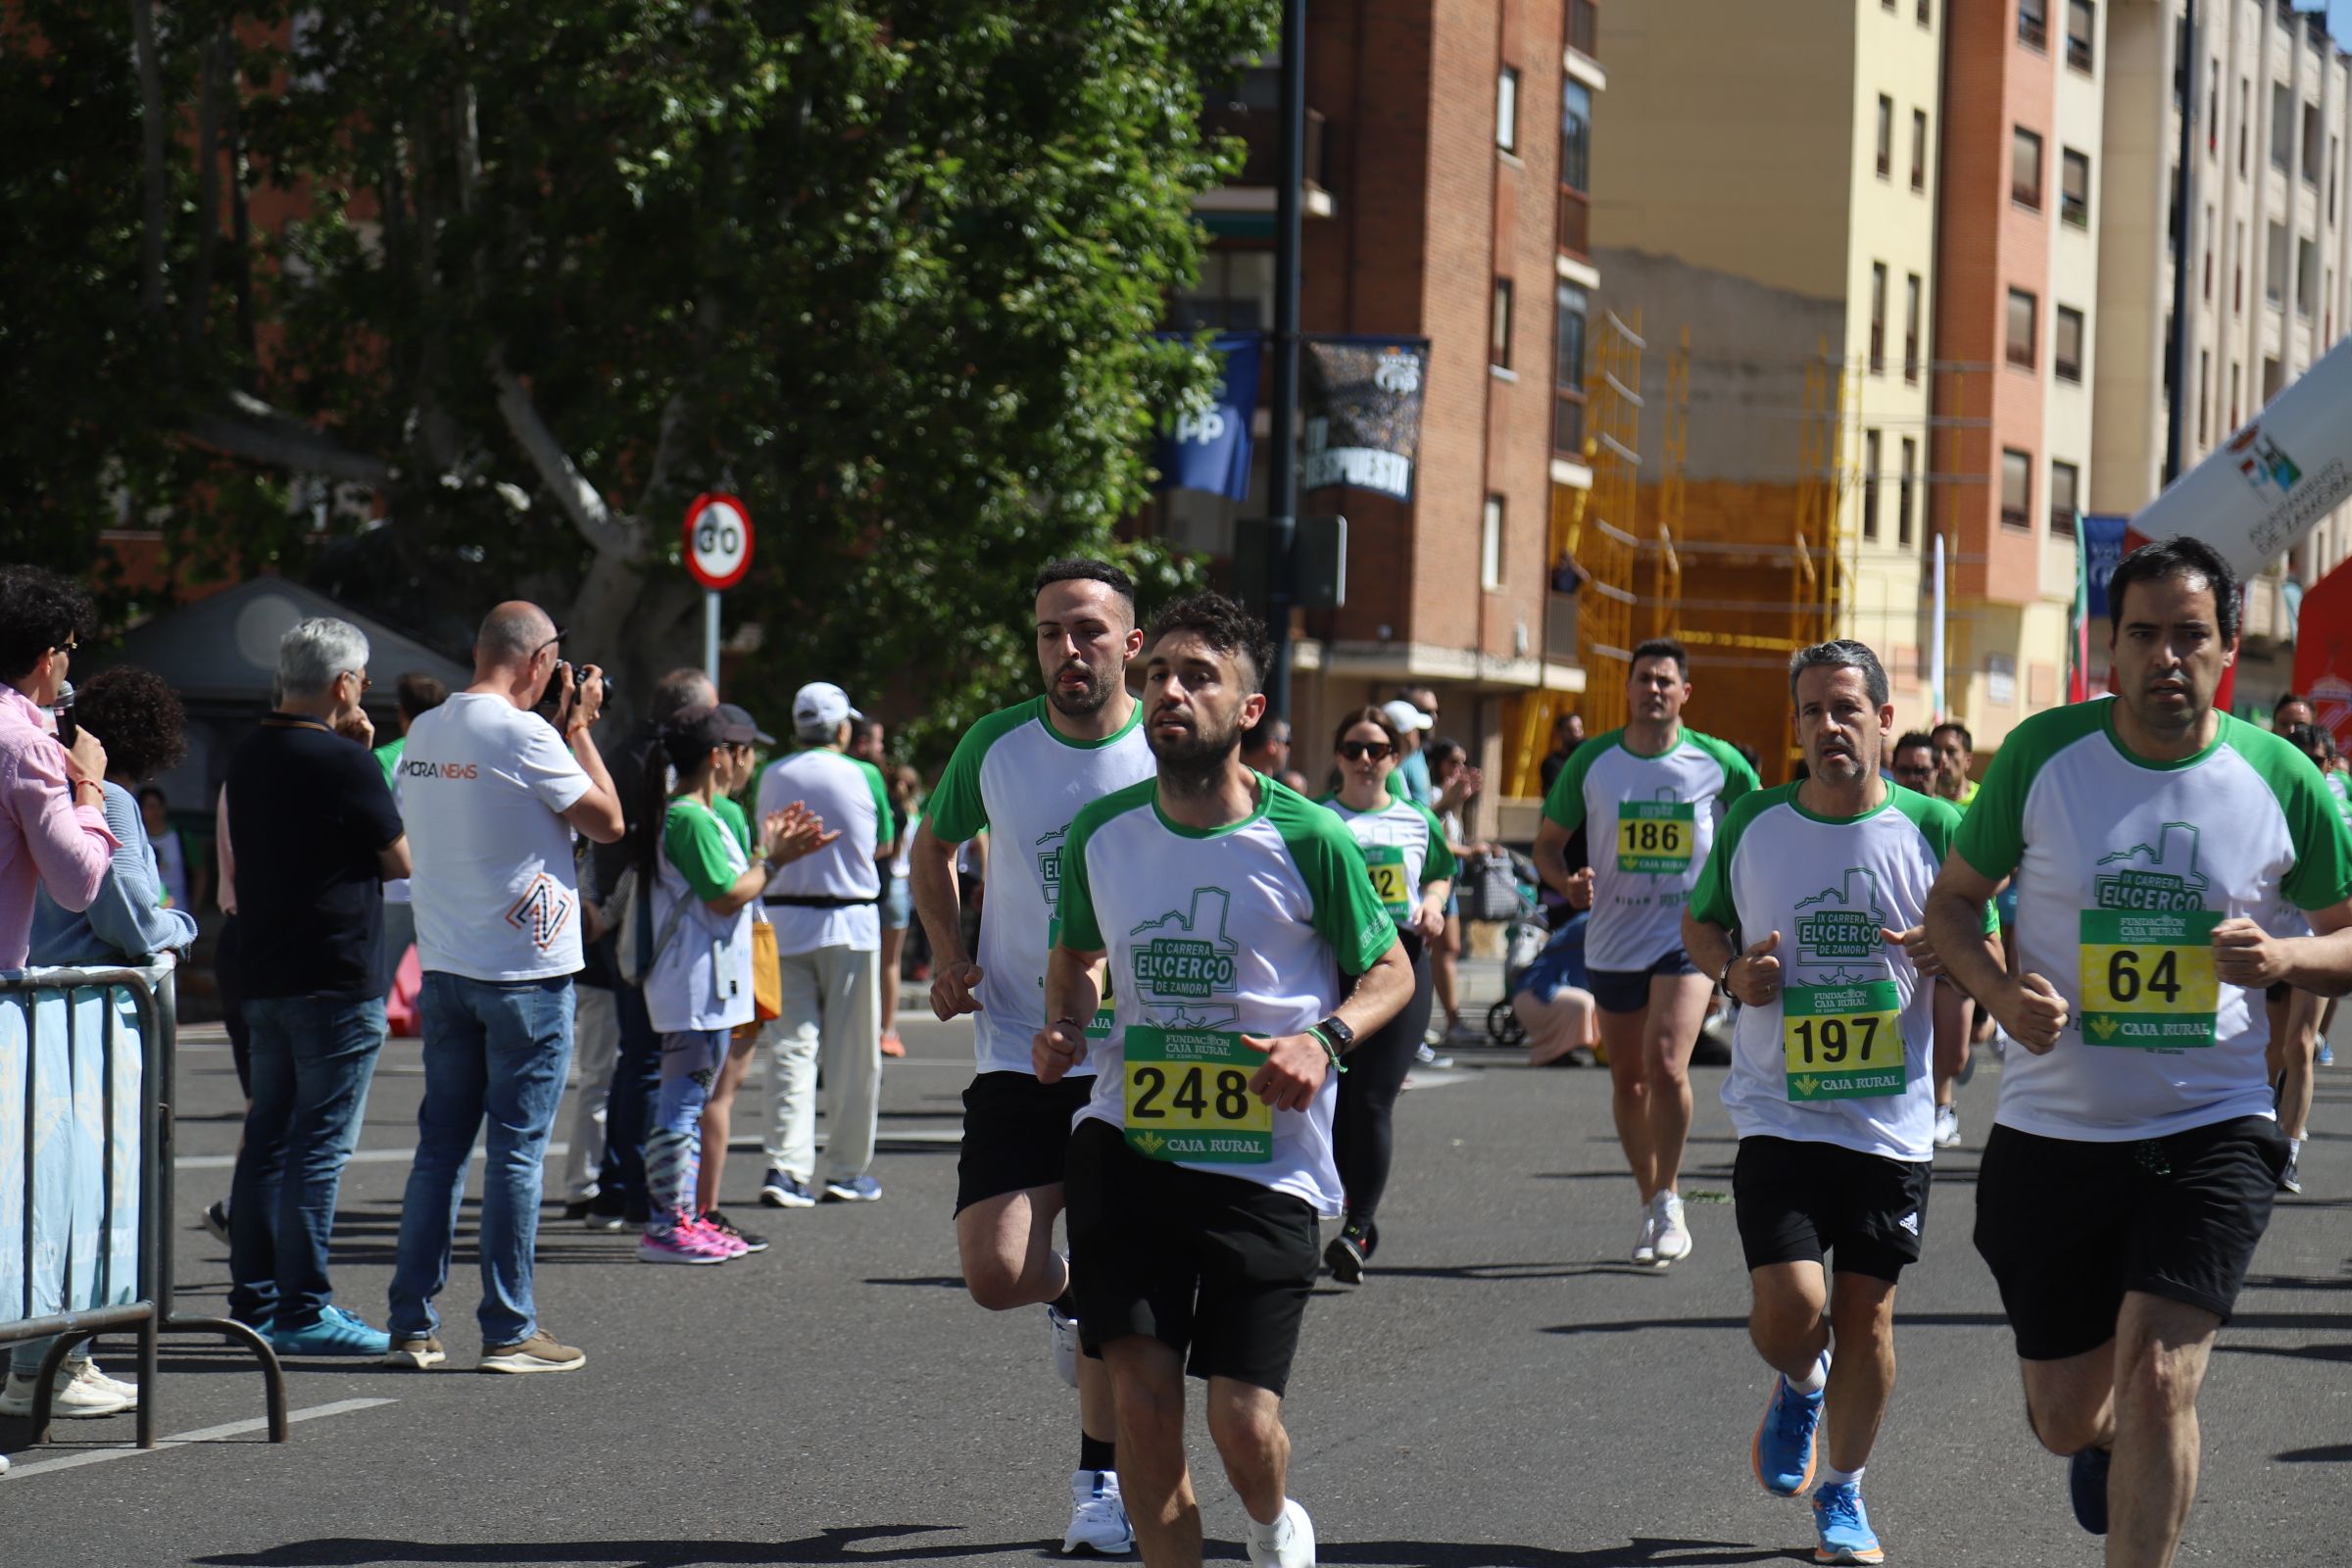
(1356, 750)
(550, 643)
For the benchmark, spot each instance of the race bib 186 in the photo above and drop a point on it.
(1386, 862)
(2147, 977)
(1842, 1041)
(1655, 838)
(1189, 1099)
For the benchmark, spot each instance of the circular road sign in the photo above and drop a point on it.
(718, 540)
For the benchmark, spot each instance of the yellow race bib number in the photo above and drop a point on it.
(1842, 1041)
(2147, 977)
(1188, 1098)
(1389, 882)
(1657, 838)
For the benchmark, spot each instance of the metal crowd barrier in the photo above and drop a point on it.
(85, 1175)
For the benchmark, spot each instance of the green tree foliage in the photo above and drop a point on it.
(435, 302)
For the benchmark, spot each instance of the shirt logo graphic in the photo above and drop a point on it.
(542, 912)
(1841, 925)
(1910, 1222)
(1185, 958)
(1048, 867)
(2165, 877)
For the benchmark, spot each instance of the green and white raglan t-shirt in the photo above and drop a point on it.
(2124, 869)
(1844, 1054)
(1215, 933)
(1649, 823)
(1405, 850)
(1016, 777)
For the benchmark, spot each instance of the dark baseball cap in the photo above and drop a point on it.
(741, 718)
(693, 732)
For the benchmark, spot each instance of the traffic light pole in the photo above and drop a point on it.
(1283, 469)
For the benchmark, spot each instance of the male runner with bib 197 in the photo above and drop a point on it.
(1650, 794)
(2159, 847)
(1232, 910)
(1831, 1090)
(1021, 775)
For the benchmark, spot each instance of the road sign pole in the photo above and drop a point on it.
(710, 636)
(1289, 175)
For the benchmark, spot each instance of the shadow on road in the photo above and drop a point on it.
(2341, 1453)
(1642, 1549)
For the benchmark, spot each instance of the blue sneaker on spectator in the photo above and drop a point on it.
(2086, 1487)
(852, 1190)
(1843, 1524)
(336, 1333)
(1784, 1452)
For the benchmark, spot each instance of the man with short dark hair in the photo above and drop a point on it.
(2293, 708)
(1232, 912)
(1955, 762)
(1912, 761)
(1266, 746)
(496, 792)
(316, 834)
(2157, 844)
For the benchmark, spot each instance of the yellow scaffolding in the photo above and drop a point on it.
(1612, 531)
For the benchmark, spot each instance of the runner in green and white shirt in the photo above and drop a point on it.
(2162, 850)
(1412, 872)
(1826, 884)
(1020, 775)
(1233, 912)
(1648, 796)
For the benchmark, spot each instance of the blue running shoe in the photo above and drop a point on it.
(852, 1190)
(336, 1333)
(2087, 1487)
(2325, 1056)
(1843, 1524)
(1783, 1456)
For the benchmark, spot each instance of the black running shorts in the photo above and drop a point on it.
(1628, 990)
(1017, 1134)
(1797, 1201)
(1216, 1265)
(2069, 1226)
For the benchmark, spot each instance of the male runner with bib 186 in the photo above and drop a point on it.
(1021, 775)
(1810, 910)
(2159, 846)
(1232, 910)
(1650, 794)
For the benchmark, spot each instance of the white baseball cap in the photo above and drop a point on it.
(1405, 716)
(821, 707)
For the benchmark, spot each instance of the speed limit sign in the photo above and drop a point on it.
(718, 540)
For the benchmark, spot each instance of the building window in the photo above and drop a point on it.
(2024, 167)
(1870, 484)
(2235, 402)
(2074, 187)
(1576, 168)
(1498, 344)
(1919, 148)
(2082, 25)
(2307, 277)
(2283, 127)
(2065, 344)
(1877, 317)
(2213, 109)
(1886, 135)
(2245, 116)
(1911, 291)
(2311, 145)
(2204, 397)
(1568, 371)
(2016, 488)
(2273, 282)
(1490, 545)
(1235, 294)
(1584, 29)
(2237, 270)
(2033, 23)
(1927, 12)
(1906, 488)
(2066, 487)
(1507, 110)
(2021, 328)
(2269, 381)
(2207, 237)
(2334, 146)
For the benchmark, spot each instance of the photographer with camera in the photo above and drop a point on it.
(493, 781)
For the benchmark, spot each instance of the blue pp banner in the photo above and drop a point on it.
(1210, 450)
(2102, 552)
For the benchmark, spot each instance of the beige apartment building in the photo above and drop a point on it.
(2270, 244)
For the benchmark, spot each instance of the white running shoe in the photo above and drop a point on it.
(1673, 1243)
(128, 1390)
(1947, 1126)
(1098, 1518)
(1646, 1244)
(1064, 1332)
(1288, 1542)
(76, 1396)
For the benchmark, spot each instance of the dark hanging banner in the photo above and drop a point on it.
(1363, 403)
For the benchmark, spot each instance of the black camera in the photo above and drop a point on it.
(551, 700)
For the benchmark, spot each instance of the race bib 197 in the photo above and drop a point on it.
(2147, 977)
(1189, 1099)
(1386, 862)
(1655, 838)
(1842, 1041)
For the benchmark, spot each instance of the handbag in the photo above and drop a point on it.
(632, 957)
(767, 972)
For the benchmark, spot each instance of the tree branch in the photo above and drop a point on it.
(151, 138)
(249, 429)
(610, 533)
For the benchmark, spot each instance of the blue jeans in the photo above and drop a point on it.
(636, 1080)
(313, 1059)
(495, 1050)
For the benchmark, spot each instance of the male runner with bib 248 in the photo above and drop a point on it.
(1650, 794)
(1021, 775)
(1232, 910)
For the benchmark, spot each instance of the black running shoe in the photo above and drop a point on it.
(2086, 1487)
(720, 1223)
(216, 1221)
(1348, 1254)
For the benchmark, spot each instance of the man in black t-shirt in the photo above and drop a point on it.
(315, 833)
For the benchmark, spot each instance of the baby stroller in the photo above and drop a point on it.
(1502, 887)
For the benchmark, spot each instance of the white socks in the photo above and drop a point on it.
(1263, 1535)
(1817, 1378)
(1832, 1476)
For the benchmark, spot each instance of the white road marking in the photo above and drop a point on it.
(232, 1429)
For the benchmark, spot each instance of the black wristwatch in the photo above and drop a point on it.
(1342, 1038)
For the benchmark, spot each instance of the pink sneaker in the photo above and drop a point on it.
(680, 1243)
(728, 1246)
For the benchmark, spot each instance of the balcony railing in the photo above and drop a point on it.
(1584, 29)
(1576, 222)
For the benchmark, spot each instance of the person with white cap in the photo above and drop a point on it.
(1408, 780)
(829, 943)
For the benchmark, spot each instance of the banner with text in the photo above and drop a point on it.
(1362, 398)
(1210, 448)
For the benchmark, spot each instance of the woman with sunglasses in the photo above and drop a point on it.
(1412, 871)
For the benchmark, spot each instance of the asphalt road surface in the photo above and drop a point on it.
(1504, 1390)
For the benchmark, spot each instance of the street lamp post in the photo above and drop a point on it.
(1283, 526)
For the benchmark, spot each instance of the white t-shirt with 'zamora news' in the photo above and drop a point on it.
(482, 785)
